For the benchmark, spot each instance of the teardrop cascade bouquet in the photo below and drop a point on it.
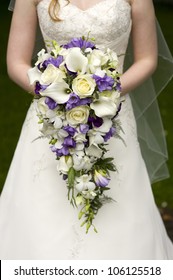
(77, 89)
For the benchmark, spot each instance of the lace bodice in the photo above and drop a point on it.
(108, 21)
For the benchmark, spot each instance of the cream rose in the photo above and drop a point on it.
(77, 115)
(52, 74)
(84, 85)
(96, 59)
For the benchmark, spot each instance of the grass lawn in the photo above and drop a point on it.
(14, 104)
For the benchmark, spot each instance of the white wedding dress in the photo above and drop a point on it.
(36, 218)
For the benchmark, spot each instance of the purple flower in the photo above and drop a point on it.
(118, 86)
(50, 103)
(53, 149)
(64, 151)
(69, 142)
(71, 130)
(80, 43)
(95, 121)
(101, 178)
(109, 134)
(104, 83)
(84, 128)
(39, 87)
(84, 101)
(54, 61)
(72, 102)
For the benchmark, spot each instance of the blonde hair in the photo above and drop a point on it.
(54, 9)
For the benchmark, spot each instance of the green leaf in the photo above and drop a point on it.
(71, 177)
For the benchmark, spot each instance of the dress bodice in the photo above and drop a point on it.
(108, 21)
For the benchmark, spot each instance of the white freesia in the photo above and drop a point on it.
(52, 74)
(84, 85)
(89, 194)
(64, 164)
(57, 123)
(81, 162)
(76, 61)
(59, 92)
(100, 73)
(83, 183)
(42, 56)
(95, 137)
(113, 58)
(80, 137)
(78, 163)
(62, 133)
(48, 130)
(41, 106)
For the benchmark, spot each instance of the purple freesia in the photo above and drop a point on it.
(70, 130)
(95, 121)
(50, 103)
(74, 100)
(101, 179)
(84, 101)
(64, 151)
(80, 43)
(104, 83)
(84, 128)
(109, 134)
(118, 86)
(56, 61)
(69, 142)
(39, 87)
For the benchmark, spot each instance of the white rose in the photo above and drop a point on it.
(78, 115)
(52, 74)
(96, 59)
(64, 164)
(84, 85)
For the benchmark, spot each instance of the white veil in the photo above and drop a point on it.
(144, 99)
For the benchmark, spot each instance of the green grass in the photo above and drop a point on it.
(14, 103)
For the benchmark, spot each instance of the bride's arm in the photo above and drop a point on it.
(21, 42)
(144, 45)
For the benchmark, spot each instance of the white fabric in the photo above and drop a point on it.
(36, 219)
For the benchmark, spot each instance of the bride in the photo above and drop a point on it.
(36, 219)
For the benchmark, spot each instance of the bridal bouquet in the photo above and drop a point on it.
(77, 86)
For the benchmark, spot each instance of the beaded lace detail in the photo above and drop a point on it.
(108, 21)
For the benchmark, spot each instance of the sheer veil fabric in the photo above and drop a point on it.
(151, 134)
